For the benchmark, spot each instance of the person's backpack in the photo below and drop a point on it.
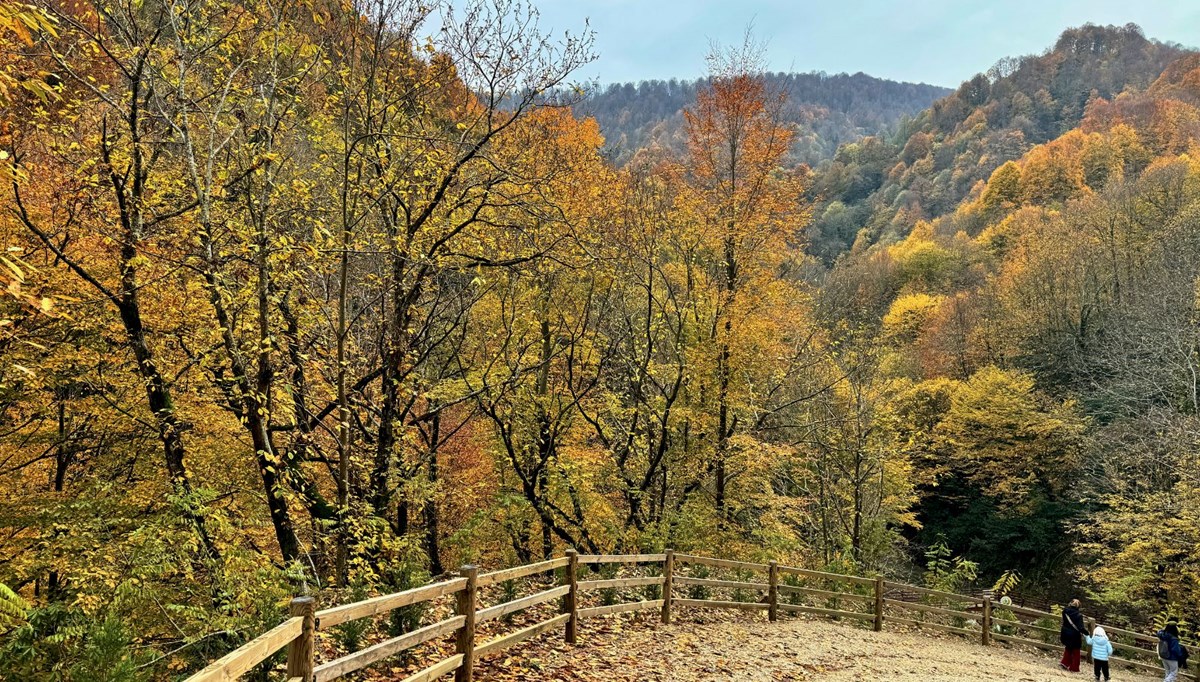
(1164, 648)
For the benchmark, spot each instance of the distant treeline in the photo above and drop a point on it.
(829, 109)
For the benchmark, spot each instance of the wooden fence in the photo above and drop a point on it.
(661, 579)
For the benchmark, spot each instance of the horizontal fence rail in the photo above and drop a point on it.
(667, 581)
(241, 661)
(388, 602)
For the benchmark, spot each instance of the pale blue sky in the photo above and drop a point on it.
(935, 41)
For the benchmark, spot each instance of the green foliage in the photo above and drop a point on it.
(699, 591)
(63, 644)
(792, 580)
(408, 618)
(652, 592)
(946, 572)
(826, 108)
(974, 524)
(927, 264)
(1003, 188)
(509, 590)
(1006, 583)
(1002, 619)
(350, 635)
(1006, 354)
(609, 595)
(953, 151)
(1162, 618)
(12, 609)
(742, 594)
(1010, 437)
(1050, 625)
(997, 458)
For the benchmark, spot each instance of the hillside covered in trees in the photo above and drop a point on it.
(826, 110)
(1039, 341)
(886, 184)
(294, 300)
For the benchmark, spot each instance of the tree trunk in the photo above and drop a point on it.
(254, 408)
(158, 399)
(724, 426)
(432, 549)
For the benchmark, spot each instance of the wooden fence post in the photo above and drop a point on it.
(668, 585)
(464, 643)
(878, 603)
(300, 650)
(572, 605)
(773, 591)
(987, 621)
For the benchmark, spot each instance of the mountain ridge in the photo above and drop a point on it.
(878, 188)
(827, 109)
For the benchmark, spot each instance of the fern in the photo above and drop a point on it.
(1162, 618)
(944, 571)
(509, 590)
(1006, 583)
(12, 609)
(350, 635)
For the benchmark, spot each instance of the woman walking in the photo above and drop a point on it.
(1071, 636)
(1170, 651)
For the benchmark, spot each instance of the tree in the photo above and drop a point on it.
(747, 209)
(1009, 441)
(546, 355)
(1052, 173)
(118, 164)
(1003, 188)
(864, 482)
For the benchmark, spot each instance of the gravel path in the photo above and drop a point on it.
(693, 650)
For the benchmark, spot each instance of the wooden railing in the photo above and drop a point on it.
(786, 589)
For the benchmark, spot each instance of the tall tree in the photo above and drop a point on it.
(748, 208)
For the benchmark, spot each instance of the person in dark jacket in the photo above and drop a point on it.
(1170, 651)
(1071, 636)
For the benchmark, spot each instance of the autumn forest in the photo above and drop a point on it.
(294, 298)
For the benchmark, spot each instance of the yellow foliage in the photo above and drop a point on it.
(1003, 187)
(1010, 439)
(924, 262)
(908, 315)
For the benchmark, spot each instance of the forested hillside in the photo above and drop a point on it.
(293, 300)
(1036, 347)
(826, 110)
(878, 188)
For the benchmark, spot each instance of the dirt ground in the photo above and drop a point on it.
(689, 651)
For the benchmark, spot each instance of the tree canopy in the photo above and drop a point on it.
(295, 299)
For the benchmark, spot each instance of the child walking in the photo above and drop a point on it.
(1101, 650)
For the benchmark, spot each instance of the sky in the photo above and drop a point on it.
(941, 42)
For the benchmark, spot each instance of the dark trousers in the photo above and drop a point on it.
(1100, 667)
(1070, 660)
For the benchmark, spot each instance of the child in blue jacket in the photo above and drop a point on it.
(1101, 650)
